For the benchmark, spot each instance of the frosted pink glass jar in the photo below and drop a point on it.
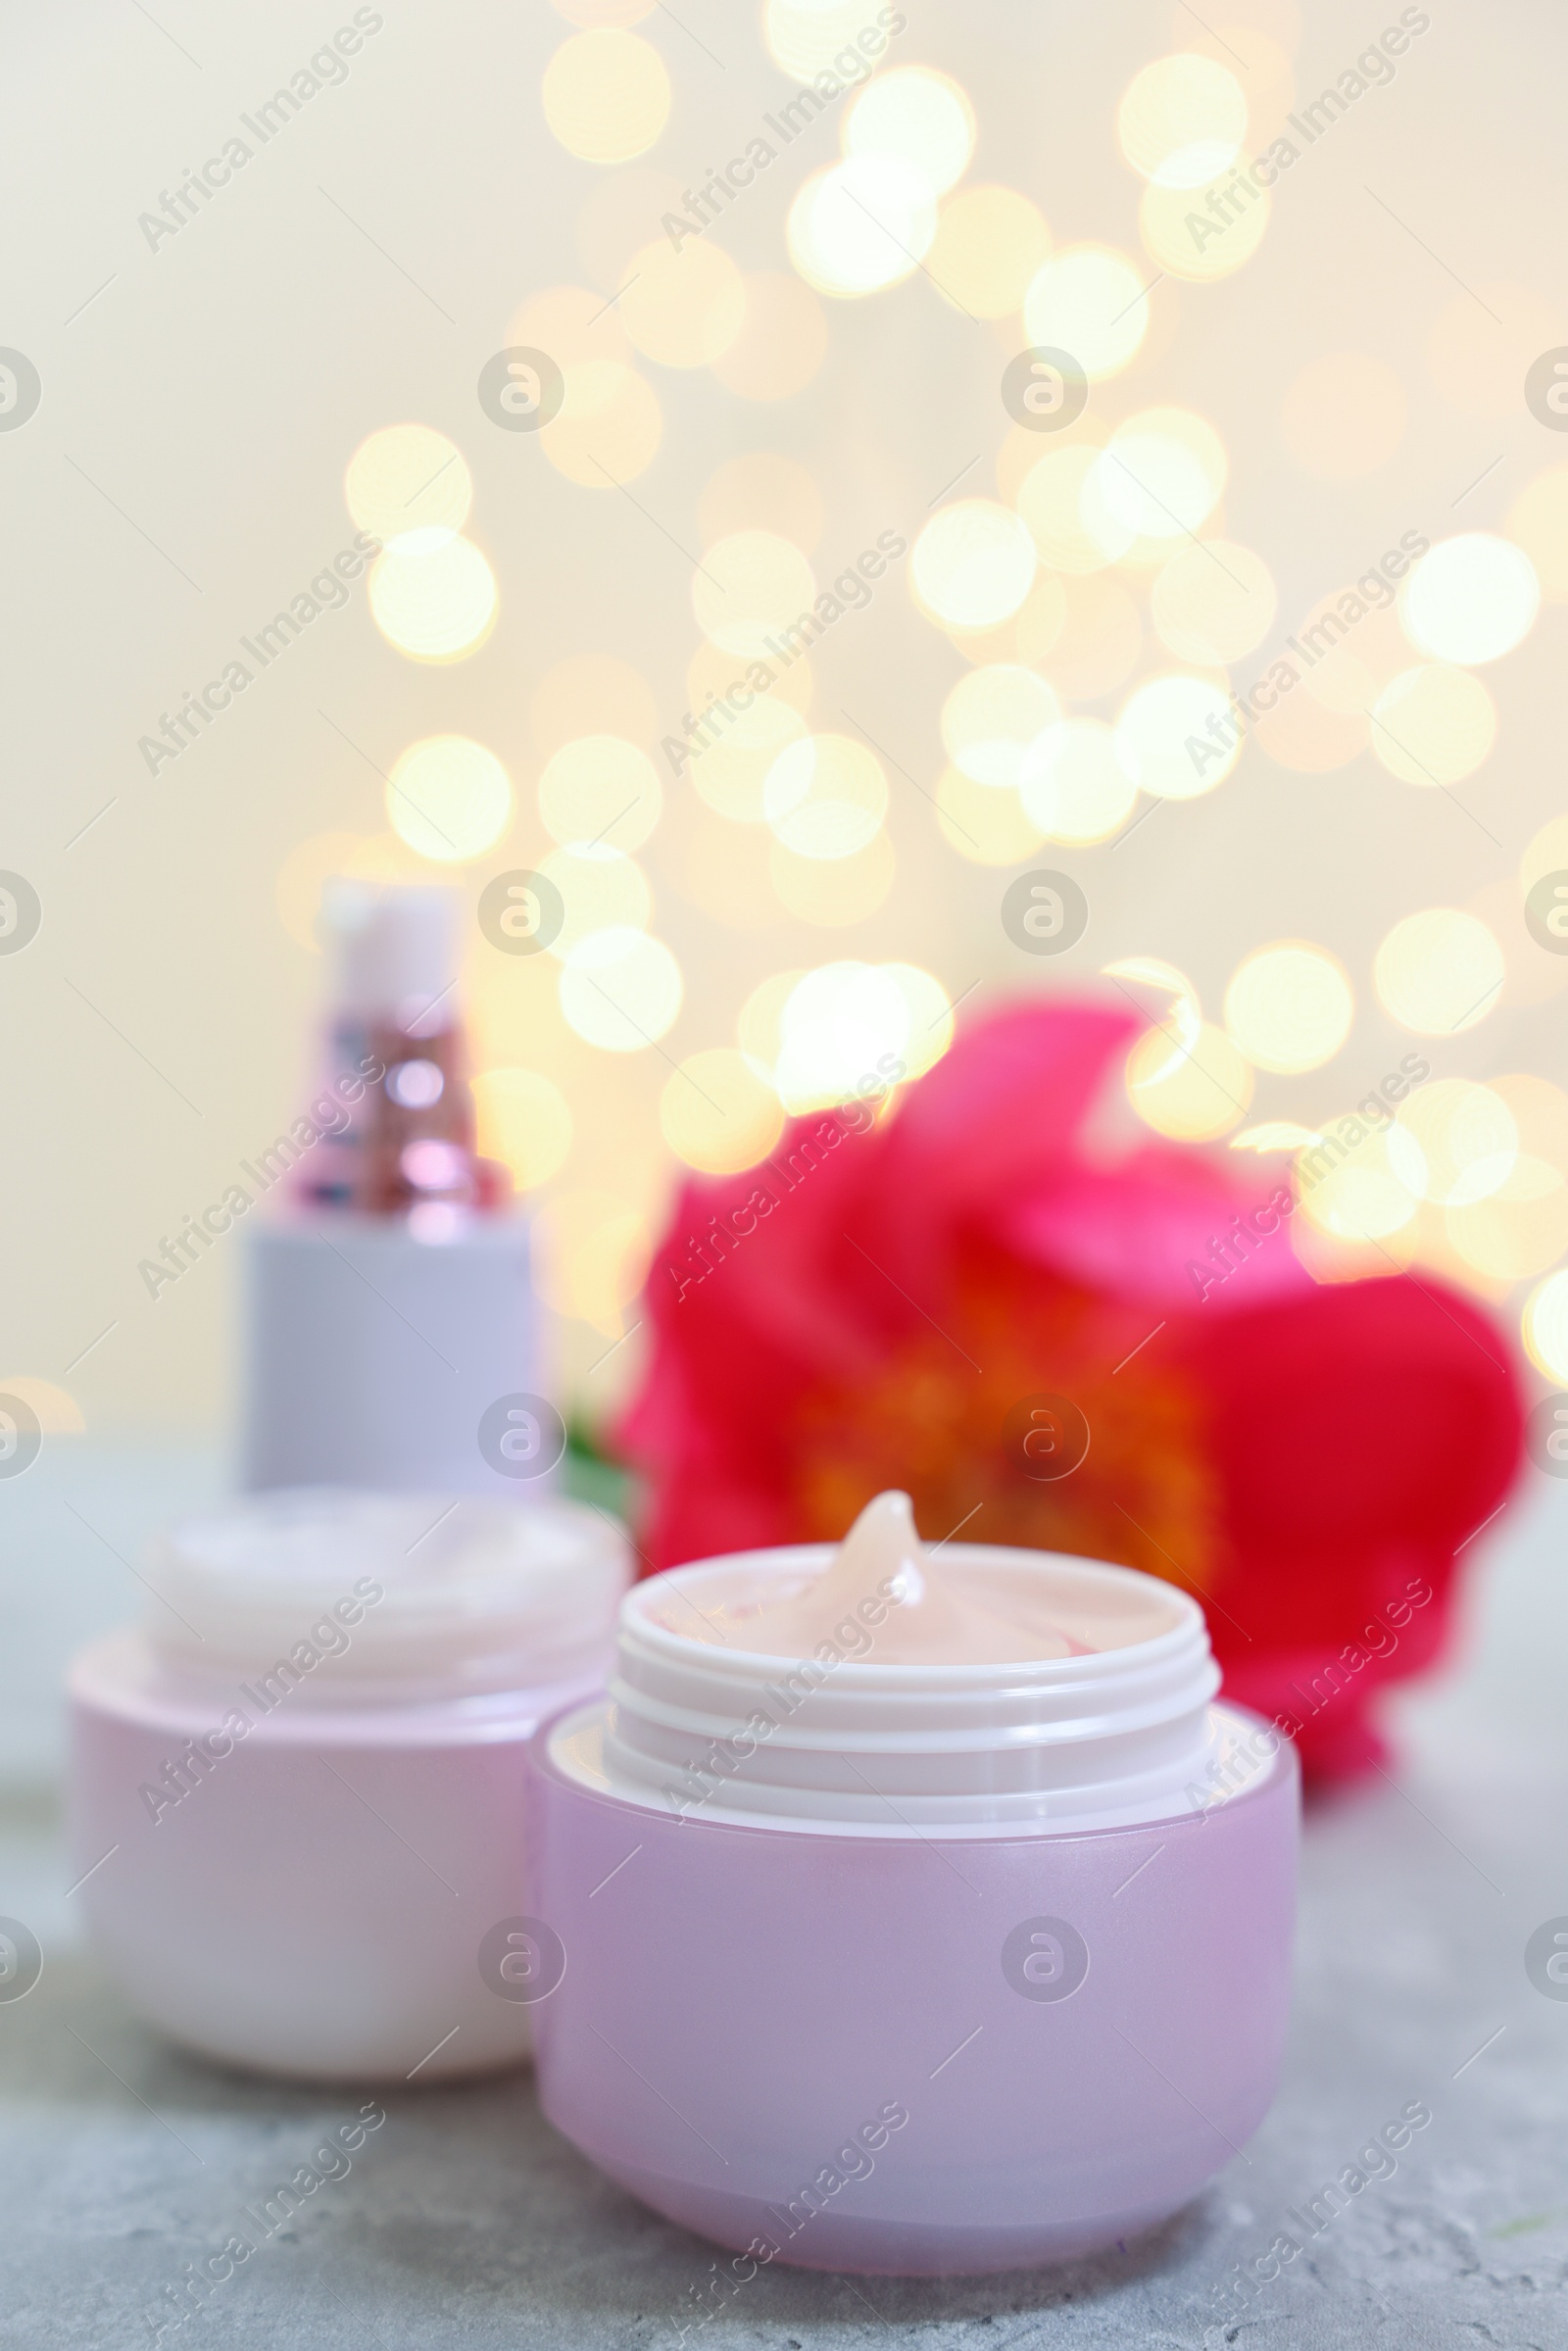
(953, 1968)
(296, 1791)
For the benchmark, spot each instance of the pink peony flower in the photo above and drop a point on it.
(954, 1297)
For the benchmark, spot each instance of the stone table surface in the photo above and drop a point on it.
(464, 2221)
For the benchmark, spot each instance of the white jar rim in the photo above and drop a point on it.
(703, 1728)
(399, 1595)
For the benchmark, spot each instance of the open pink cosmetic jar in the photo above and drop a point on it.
(296, 1791)
(908, 1913)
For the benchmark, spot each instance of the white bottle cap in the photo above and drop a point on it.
(397, 948)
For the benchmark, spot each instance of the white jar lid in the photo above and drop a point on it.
(709, 1728)
(399, 1595)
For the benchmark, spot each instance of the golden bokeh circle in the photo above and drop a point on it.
(523, 1120)
(620, 990)
(826, 796)
(1176, 736)
(991, 716)
(407, 478)
(1544, 1328)
(1088, 301)
(600, 789)
(759, 1024)
(1183, 235)
(838, 40)
(920, 117)
(1517, 1231)
(1192, 1091)
(729, 768)
(719, 1111)
(988, 244)
(1182, 120)
(861, 226)
(1470, 599)
(1050, 499)
(1432, 724)
(606, 95)
(973, 564)
(1354, 1195)
(1454, 1141)
(1159, 478)
(1289, 1007)
(591, 1256)
(1074, 785)
(1213, 602)
(849, 1029)
(448, 797)
(1439, 971)
(600, 888)
(433, 598)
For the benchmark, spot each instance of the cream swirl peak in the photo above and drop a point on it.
(903, 1605)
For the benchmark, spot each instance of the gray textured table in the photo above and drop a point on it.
(463, 2220)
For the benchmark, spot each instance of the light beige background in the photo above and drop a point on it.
(215, 390)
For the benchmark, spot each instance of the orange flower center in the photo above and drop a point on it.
(968, 1420)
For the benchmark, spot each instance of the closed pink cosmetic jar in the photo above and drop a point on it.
(913, 1968)
(296, 1790)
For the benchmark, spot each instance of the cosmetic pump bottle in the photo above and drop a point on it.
(392, 1331)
